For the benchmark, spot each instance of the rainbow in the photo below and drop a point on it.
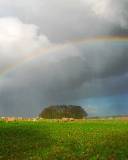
(53, 47)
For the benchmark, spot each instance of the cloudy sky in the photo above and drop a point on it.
(43, 61)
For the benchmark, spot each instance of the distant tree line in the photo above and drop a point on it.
(63, 111)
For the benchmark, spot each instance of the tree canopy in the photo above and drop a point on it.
(63, 111)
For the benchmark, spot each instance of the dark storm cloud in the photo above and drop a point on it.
(57, 79)
(73, 72)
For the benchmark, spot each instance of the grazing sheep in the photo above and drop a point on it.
(71, 119)
(68, 119)
(9, 119)
(65, 119)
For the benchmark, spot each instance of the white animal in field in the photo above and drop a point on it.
(67, 119)
(9, 119)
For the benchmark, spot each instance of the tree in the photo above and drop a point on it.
(63, 111)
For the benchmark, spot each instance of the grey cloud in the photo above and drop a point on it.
(114, 11)
(73, 72)
(59, 20)
(93, 70)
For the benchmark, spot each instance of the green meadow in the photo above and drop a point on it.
(53, 140)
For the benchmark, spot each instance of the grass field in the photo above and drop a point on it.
(49, 140)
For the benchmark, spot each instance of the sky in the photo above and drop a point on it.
(50, 54)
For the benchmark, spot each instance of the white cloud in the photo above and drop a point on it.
(18, 39)
(114, 11)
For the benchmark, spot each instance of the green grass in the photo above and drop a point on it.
(49, 140)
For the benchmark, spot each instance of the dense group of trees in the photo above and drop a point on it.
(63, 111)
